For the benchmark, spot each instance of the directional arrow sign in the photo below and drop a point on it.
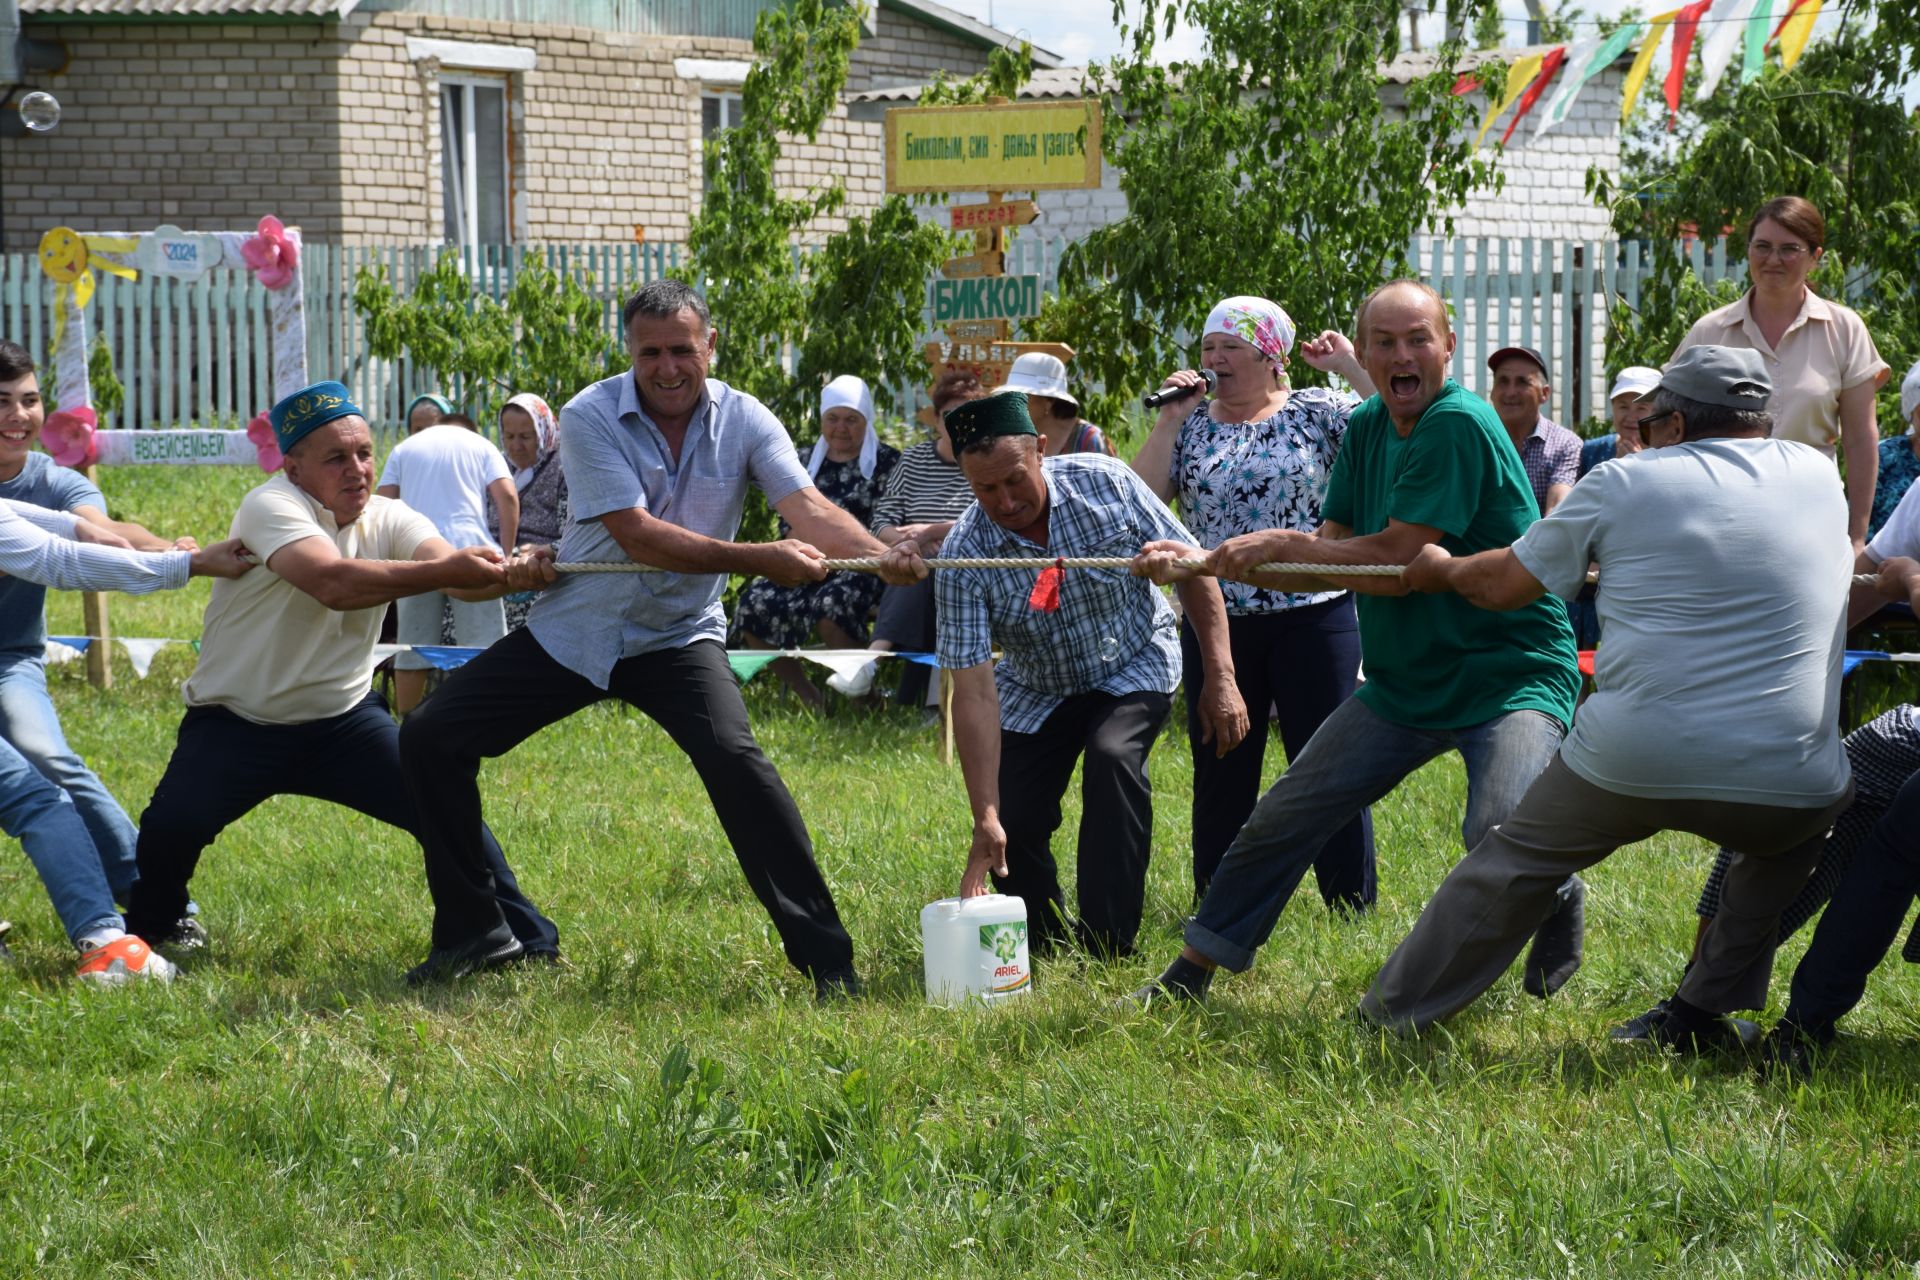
(973, 265)
(987, 298)
(1005, 213)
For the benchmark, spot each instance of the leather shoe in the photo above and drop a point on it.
(450, 964)
(1663, 1026)
(1555, 955)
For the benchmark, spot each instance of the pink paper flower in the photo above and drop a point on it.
(68, 436)
(272, 255)
(265, 443)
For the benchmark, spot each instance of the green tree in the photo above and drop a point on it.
(1833, 130)
(851, 305)
(1270, 166)
(545, 336)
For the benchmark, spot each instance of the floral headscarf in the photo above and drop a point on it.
(545, 425)
(1255, 321)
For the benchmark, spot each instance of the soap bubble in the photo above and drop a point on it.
(40, 111)
(1109, 649)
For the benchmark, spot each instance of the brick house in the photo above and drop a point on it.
(484, 121)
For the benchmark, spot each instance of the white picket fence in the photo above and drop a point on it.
(195, 353)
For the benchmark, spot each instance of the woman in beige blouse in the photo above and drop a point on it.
(1825, 367)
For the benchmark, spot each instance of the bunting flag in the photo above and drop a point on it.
(1759, 27)
(1643, 62)
(1587, 60)
(1685, 27)
(1716, 51)
(1519, 76)
(1795, 29)
(1548, 65)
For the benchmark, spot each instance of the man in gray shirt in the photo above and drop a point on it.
(1714, 531)
(657, 462)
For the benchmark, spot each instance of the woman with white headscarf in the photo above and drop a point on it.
(1253, 455)
(849, 466)
(530, 437)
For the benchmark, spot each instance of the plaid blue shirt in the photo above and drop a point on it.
(1096, 507)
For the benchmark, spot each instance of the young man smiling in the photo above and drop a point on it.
(1424, 462)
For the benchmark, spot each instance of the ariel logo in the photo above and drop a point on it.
(1004, 939)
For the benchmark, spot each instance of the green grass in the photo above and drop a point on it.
(674, 1105)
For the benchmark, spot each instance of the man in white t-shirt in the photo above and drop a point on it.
(447, 472)
(281, 702)
(1713, 531)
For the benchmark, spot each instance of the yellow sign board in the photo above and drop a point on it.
(1018, 146)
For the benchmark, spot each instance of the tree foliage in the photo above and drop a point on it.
(1833, 130)
(1269, 166)
(850, 305)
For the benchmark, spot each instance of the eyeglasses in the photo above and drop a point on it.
(1645, 426)
(1781, 252)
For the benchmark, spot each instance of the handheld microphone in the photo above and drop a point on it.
(1167, 395)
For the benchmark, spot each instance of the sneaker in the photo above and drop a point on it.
(450, 964)
(1180, 983)
(1664, 1027)
(835, 988)
(1555, 955)
(855, 684)
(125, 959)
(1790, 1051)
(187, 934)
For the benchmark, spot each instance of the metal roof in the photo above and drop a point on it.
(967, 28)
(188, 8)
(1047, 82)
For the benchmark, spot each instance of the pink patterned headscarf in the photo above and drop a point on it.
(1256, 322)
(545, 425)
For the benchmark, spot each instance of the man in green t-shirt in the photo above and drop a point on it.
(1423, 462)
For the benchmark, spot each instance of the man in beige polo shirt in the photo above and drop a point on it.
(282, 699)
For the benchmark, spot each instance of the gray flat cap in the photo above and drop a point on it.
(1730, 377)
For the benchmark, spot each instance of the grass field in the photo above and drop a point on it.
(674, 1105)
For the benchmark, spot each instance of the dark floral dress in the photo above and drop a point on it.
(1898, 468)
(543, 518)
(785, 617)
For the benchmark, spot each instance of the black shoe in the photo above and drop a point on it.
(187, 934)
(833, 988)
(6, 953)
(1555, 955)
(450, 964)
(548, 956)
(1791, 1051)
(1665, 1027)
(1182, 982)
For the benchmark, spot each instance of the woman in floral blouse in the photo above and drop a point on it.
(850, 467)
(1899, 456)
(1256, 456)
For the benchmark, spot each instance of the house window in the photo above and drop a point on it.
(718, 111)
(473, 160)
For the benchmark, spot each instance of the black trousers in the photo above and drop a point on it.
(905, 619)
(1302, 662)
(223, 766)
(515, 689)
(1115, 734)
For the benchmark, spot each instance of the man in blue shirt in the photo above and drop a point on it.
(657, 461)
(1091, 658)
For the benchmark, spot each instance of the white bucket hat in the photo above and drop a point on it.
(1635, 378)
(1910, 394)
(1039, 374)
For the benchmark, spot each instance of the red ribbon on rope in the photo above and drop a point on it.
(1045, 597)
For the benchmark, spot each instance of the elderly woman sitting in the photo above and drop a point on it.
(530, 437)
(1054, 410)
(1899, 456)
(850, 467)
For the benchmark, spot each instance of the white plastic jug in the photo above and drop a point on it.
(975, 948)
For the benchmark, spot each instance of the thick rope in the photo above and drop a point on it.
(871, 564)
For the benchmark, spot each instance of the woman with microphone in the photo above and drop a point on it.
(1256, 455)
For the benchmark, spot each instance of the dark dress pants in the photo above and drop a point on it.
(1304, 663)
(1863, 919)
(1115, 733)
(515, 689)
(224, 765)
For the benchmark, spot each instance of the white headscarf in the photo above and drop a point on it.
(847, 392)
(1910, 394)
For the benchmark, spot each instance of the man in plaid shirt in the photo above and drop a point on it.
(1549, 452)
(1091, 658)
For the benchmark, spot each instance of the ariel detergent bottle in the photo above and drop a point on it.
(976, 949)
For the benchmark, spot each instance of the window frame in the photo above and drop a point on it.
(466, 82)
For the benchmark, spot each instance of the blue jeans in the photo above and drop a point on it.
(1354, 759)
(30, 726)
(43, 819)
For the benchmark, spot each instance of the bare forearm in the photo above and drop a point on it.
(1860, 485)
(1207, 611)
(362, 584)
(976, 736)
(647, 540)
(836, 533)
(1488, 581)
(1154, 462)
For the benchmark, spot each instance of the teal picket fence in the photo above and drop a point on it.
(197, 352)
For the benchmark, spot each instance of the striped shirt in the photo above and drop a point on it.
(1113, 632)
(924, 489)
(34, 547)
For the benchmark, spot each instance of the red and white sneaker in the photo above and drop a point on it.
(125, 959)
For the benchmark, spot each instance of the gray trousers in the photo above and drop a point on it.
(1490, 904)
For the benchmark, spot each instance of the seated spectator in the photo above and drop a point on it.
(1549, 452)
(1739, 745)
(925, 495)
(1055, 412)
(427, 410)
(850, 467)
(1899, 456)
(447, 472)
(1624, 400)
(530, 435)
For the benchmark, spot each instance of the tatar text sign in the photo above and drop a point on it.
(1019, 146)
